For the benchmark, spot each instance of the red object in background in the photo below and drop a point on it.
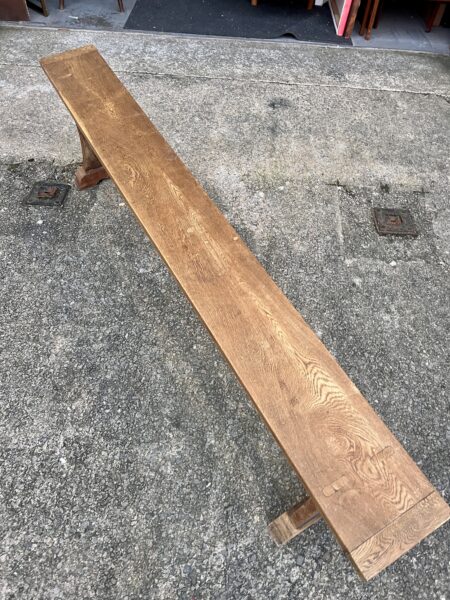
(340, 10)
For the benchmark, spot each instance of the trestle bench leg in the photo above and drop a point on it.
(91, 171)
(298, 518)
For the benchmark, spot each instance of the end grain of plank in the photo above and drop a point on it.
(400, 536)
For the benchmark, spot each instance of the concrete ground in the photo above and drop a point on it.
(132, 463)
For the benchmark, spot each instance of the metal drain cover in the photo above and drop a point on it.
(394, 221)
(47, 193)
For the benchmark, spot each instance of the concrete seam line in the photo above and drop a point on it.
(442, 95)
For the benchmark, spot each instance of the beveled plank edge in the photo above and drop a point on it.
(400, 536)
(51, 58)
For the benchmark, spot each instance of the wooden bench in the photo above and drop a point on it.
(359, 478)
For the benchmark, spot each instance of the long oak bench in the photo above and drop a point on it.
(359, 478)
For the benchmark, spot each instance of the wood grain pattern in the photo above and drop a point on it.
(400, 536)
(322, 422)
(291, 523)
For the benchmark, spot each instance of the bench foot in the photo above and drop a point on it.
(86, 179)
(298, 518)
(91, 171)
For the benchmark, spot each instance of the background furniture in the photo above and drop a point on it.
(119, 2)
(14, 10)
(436, 9)
(370, 18)
(372, 10)
(41, 6)
(352, 18)
(17, 10)
(309, 6)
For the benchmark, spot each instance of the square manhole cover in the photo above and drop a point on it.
(47, 193)
(394, 221)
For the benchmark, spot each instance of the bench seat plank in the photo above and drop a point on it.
(360, 477)
(398, 537)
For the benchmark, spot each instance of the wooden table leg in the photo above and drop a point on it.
(432, 14)
(39, 5)
(120, 3)
(352, 18)
(377, 17)
(44, 8)
(365, 19)
(91, 171)
(373, 14)
(310, 5)
(294, 521)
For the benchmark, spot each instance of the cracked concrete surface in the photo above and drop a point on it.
(133, 465)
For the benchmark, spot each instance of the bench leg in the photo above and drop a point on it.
(294, 521)
(91, 171)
